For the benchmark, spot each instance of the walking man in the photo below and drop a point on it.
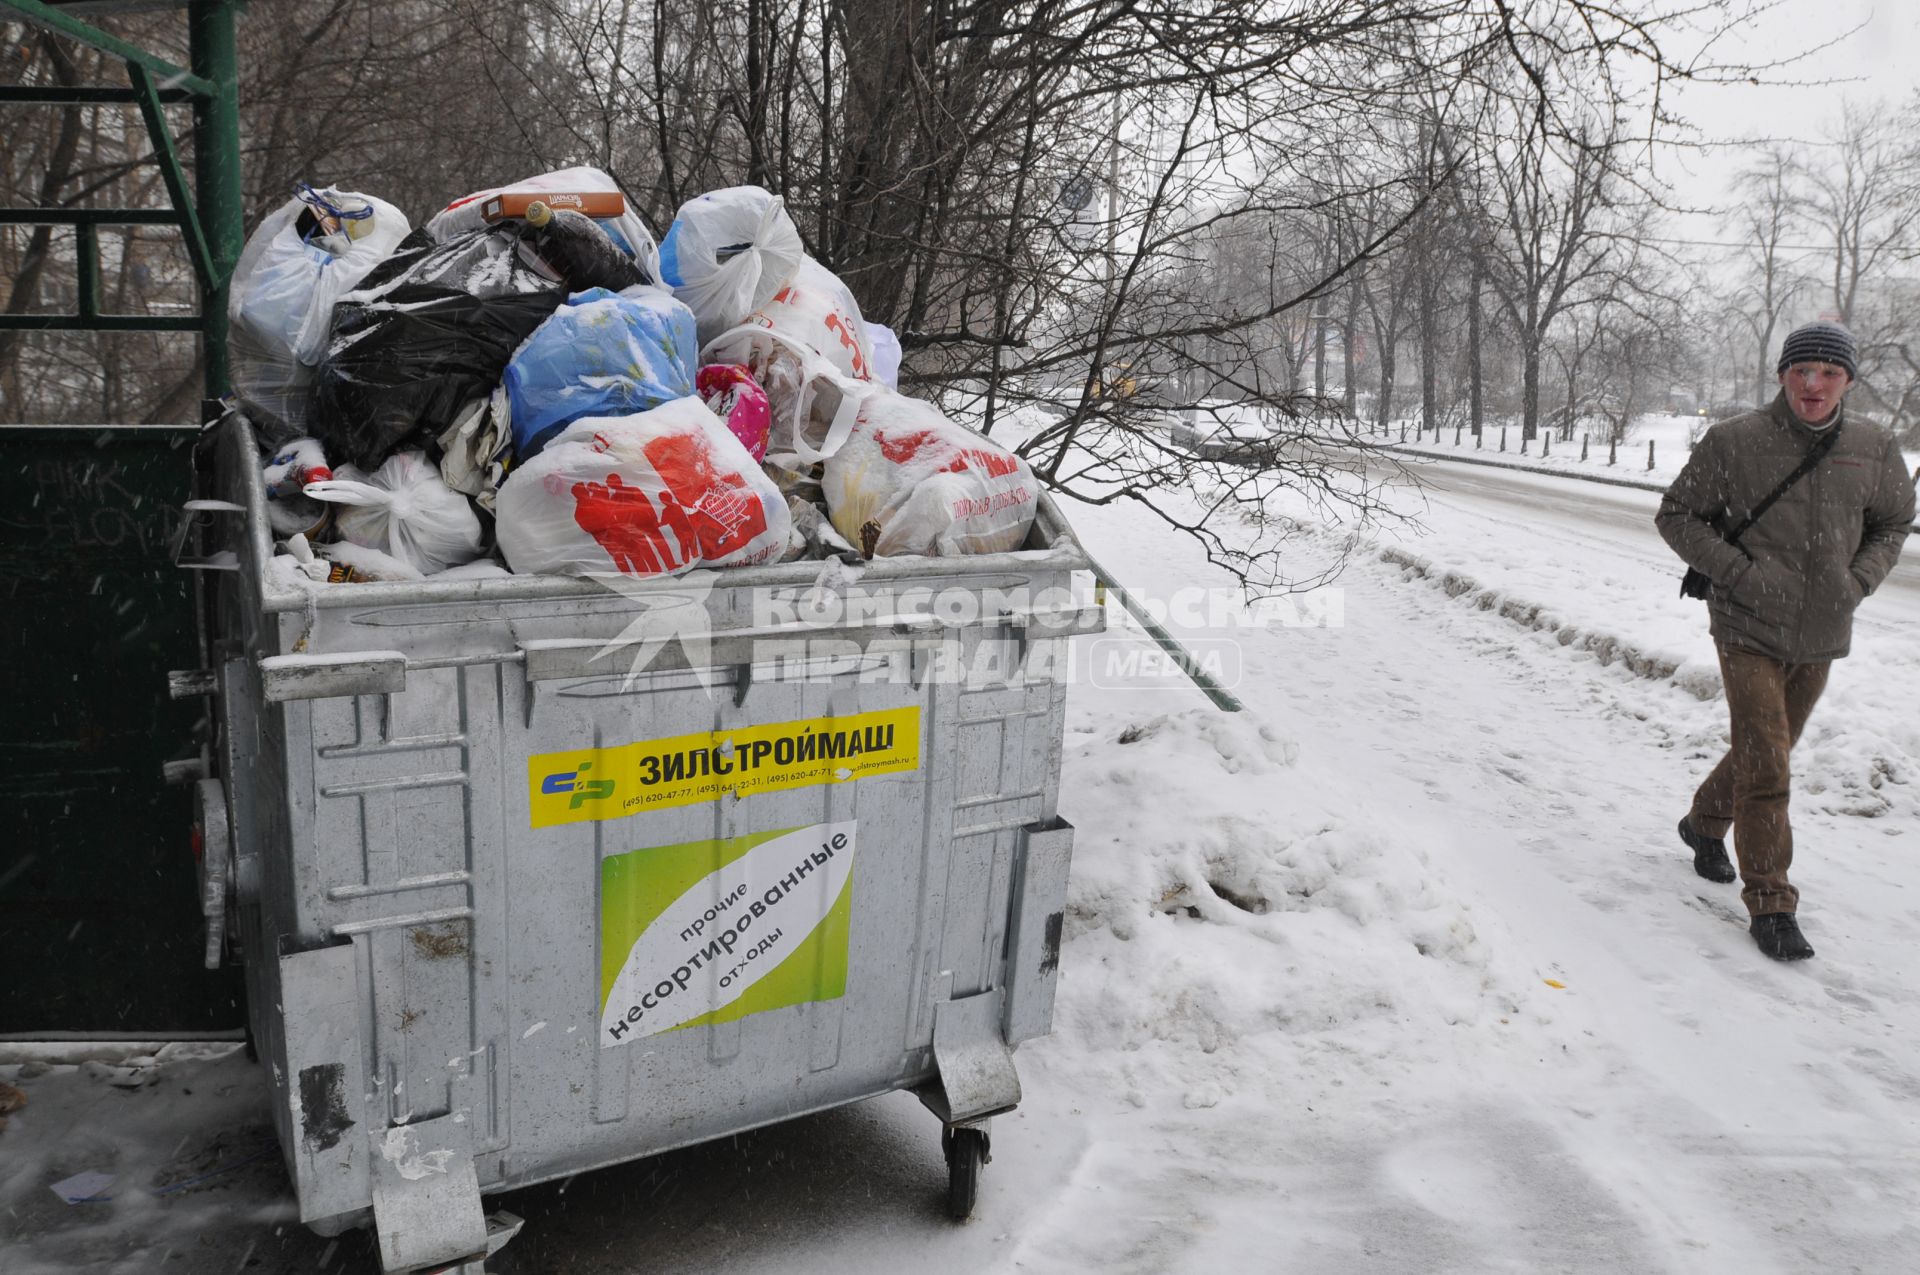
(1793, 513)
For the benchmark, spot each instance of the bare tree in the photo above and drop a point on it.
(1769, 212)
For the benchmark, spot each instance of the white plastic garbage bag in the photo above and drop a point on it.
(807, 348)
(886, 355)
(303, 257)
(650, 494)
(406, 510)
(910, 481)
(726, 254)
(627, 230)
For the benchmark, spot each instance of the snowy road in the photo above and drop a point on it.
(1567, 511)
(1401, 970)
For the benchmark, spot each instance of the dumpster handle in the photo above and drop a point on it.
(223, 561)
(293, 677)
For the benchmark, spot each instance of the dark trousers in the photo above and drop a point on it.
(1767, 705)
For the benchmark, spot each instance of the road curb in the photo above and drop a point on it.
(1638, 484)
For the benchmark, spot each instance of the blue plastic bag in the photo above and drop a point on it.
(602, 354)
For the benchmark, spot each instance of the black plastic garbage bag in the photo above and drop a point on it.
(427, 332)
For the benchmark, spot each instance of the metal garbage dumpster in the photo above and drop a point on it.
(532, 875)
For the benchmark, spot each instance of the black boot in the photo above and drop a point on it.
(1709, 854)
(1778, 935)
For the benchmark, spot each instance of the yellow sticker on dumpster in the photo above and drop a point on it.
(625, 779)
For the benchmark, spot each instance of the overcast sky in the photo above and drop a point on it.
(1879, 61)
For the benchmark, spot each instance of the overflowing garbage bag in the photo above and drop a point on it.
(601, 354)
(910, 481)
(807, 348)
(302, 258)
(587, 191)
(508, 384)
(727, 253)
(430, 331)
(403, 509)
(654, 493)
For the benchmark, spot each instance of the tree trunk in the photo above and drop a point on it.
(1473, 350)
(1320, 348)
(756, 113)
(1384, 409)
(1429, 342)
(1530, 388)
(1349, 389)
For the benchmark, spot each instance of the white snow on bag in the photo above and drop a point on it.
(654, 493)
(925, 484)
(405, 510)
(727, 254)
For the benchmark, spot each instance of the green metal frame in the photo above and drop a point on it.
(210, 217)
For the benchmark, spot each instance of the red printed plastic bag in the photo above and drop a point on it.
(808, 349)
(816, 309)
(650, 494)
(910, 481)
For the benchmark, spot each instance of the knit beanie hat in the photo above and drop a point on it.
(1818, 342)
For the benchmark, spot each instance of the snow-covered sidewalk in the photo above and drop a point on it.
(1402, 969)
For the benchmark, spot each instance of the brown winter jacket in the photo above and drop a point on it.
(1789, 588)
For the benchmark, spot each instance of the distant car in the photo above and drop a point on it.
(1241, 433)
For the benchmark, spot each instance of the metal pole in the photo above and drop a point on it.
(1219, 694)
(216, 170)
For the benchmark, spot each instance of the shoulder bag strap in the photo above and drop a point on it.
(1814, 455)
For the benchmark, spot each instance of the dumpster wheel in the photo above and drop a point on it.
(967, 1148)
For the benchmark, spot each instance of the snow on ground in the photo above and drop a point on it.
(1672, 438)
(1400, 970)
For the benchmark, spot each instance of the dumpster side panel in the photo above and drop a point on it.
(406, 858)
(694, 1082)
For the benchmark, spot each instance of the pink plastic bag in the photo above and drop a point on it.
(735, 397)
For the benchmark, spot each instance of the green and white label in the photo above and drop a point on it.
(711, 931)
